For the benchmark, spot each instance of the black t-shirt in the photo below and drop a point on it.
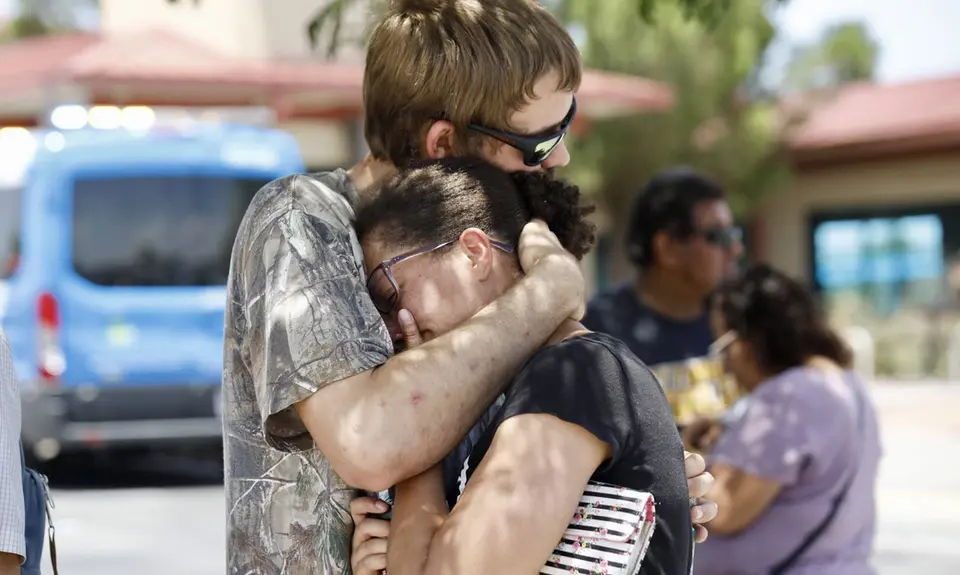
(655, 338)
(677, 351)
(595, 382)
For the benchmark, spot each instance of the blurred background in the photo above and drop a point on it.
(834, 126)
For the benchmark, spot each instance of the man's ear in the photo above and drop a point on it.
(439, 140)
(664, 249)
(476, 246)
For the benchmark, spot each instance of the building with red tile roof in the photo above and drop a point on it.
(866, 152)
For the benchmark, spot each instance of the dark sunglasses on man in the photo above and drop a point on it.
(535, 149)
(721, 237)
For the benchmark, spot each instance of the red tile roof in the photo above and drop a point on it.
(29, 63)
(156, 57)
(875, 119)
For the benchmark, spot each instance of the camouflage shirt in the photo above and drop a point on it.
(298, 317)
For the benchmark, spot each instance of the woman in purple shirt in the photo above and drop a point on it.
(796, 459)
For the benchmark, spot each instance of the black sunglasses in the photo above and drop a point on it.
(721, 237)
(535, 149)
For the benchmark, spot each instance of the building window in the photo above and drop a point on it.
(889, 272)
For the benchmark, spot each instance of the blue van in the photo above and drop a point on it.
(114, 255)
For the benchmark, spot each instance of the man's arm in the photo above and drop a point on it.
(390, 423)
(319, 353)
(12, 545)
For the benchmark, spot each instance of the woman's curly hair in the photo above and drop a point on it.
(433, 201)
(779, 318)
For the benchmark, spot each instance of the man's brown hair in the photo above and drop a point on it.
(464, 61)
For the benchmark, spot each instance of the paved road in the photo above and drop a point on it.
(919, 487)
(161, 519)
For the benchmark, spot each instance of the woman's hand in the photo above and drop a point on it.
(369, 553)
(701, 434)
(699, 483)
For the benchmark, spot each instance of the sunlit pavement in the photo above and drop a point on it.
(163, 530)
(919, 491)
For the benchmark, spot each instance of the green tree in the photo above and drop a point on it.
(846, 52)
(41, 17)
(718, 124)
(725, 122)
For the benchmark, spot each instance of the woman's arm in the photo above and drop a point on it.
(741, 498)
(419, 510)
(513, 512)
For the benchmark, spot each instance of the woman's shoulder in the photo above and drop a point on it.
(812, 388)
(590, 349)
(814, 379)
(586, 361)
(591, 343)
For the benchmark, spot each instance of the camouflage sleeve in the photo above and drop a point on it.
(310, 321)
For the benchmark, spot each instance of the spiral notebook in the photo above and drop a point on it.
(609, 533)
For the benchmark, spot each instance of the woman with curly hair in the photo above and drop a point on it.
(439, 239)
(796, 459)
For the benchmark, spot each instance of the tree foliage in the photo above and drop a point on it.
(723, 123)
(846, 52)
(715, 124)
(41, 17)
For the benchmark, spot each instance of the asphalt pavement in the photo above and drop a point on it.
(161, 515)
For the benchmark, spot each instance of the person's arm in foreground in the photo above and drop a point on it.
(515, 508)
(563, 419)
(317, 345)
(389, 423)
(319, 352)
(12, 545)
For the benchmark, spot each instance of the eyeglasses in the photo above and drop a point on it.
(721, 237)
(535, 149)
(383, 287)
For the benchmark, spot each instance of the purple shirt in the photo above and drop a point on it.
(801, 430)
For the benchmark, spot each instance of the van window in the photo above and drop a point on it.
(9, 231)
(158, 231)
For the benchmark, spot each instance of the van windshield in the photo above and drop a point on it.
(9, 231)
(158, 231)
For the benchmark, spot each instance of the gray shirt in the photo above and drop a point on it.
(298, 317)
(11, 474)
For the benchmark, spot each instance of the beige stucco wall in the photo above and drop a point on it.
(240, 28)
(783, 216)
(227, 26)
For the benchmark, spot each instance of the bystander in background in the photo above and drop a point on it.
(796, 458)
(683, 242)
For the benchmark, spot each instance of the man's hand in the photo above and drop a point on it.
(699, 482)
(369, 553)
(539, 251)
